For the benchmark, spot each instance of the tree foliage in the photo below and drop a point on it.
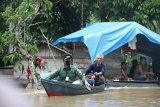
(23, 19)
(19, 33)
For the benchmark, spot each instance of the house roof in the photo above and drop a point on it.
(60, 48)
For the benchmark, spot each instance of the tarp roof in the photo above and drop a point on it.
(106, 37)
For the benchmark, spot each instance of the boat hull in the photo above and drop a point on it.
(55, 88)
(135, 83)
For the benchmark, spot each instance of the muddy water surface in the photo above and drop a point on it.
(112, 97)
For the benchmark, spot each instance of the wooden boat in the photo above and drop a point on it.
(135, 83)
(56, 88)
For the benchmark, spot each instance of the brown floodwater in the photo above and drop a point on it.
(11, 96)
(111, 97)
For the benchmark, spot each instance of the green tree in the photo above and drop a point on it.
(24, 22)
(20, 19)
(145, 12)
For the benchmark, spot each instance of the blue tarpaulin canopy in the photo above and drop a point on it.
(106, 37)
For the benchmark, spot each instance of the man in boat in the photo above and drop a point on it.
(96, 71)
(140, 70)
(148, 71)
(68, 73)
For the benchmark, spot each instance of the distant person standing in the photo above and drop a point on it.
(96, 70)
(34, 69)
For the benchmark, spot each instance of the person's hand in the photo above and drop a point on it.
(88, 86)
(96, 73)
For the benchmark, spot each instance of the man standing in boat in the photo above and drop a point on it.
(96, 71)
(68, 73)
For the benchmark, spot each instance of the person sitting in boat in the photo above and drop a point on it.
(150, 74)
(133, 68)
(68, 73)
(148, 70)
(144, 64)
(123, 72)
(139, 73)
(96, 71)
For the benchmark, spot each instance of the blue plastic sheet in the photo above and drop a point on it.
(106, 37)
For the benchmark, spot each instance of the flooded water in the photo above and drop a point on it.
(112, 97)
(11, 96)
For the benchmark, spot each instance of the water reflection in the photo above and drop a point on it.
(124, 97)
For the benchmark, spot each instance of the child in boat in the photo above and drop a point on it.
(123, 72)
(150, 74)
